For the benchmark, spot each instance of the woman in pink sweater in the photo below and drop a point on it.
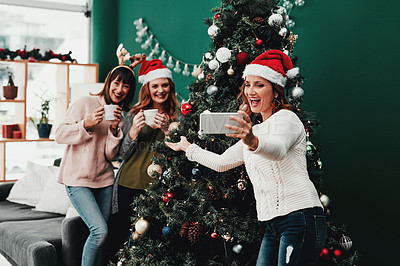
(92, 142)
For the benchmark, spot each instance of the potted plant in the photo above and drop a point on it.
(43, 126)
(10, 91)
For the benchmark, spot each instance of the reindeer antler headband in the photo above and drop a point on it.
(123, 55)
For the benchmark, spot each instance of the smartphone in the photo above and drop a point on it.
(214, 123)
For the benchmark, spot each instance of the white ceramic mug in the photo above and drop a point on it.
(109, 111)
(149, 116)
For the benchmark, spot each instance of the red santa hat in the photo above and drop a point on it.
(153, 69)
(273, 65)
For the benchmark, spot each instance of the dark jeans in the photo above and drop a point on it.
(119, 224)
(294, 239)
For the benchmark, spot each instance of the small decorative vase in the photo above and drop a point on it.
(10, 92)
(44, 130)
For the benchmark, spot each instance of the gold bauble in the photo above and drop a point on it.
(154, 168)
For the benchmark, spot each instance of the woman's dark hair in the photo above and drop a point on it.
(125, 75)
(169, 106)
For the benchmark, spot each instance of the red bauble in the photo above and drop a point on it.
(169, 195)
(214, 235)
(259, 42)
(242, 58)
(186, 108)
(324, 254)
(165, 198)
(337, 253)
(217, 15)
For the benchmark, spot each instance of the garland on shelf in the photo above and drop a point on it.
(34, 55)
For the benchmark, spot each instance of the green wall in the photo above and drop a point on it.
(347, 51)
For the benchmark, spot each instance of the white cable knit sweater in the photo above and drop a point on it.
(277, 169)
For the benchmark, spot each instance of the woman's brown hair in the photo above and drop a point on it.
(169, 106)
(122, 74)
(278, 103)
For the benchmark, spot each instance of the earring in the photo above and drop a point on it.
(276, 103)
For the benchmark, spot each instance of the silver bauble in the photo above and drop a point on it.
(283, 32)
(223, 54)
(213, 64)
(208, 56)
(324, 200)
(275, 20)
(213, 30)
(345, 242)
(237, 248)
(212, 90)
(297, 92)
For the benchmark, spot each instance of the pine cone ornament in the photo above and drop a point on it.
(195, 231)
(214, 193)
(258, 20)
(209, 77)
(184, 228)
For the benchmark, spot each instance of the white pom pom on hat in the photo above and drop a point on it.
(271, 65)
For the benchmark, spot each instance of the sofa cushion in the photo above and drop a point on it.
(10, 211)
(28, 190)
(54, 196)
(32, 243)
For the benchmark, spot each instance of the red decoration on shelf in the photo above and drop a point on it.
(8, 129)
(242, 58)
(17, 134)
(186, 108)
(34, 55)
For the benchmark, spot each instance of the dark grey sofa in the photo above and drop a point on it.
(32, 238)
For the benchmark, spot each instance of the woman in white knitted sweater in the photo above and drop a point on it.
(274, 153)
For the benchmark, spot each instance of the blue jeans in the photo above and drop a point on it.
(94, 207)
(294, 239)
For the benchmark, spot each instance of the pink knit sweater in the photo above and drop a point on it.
(87, 158)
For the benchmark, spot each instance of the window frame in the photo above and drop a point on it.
(50, 5)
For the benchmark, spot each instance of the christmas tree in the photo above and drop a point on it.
(192, 215)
